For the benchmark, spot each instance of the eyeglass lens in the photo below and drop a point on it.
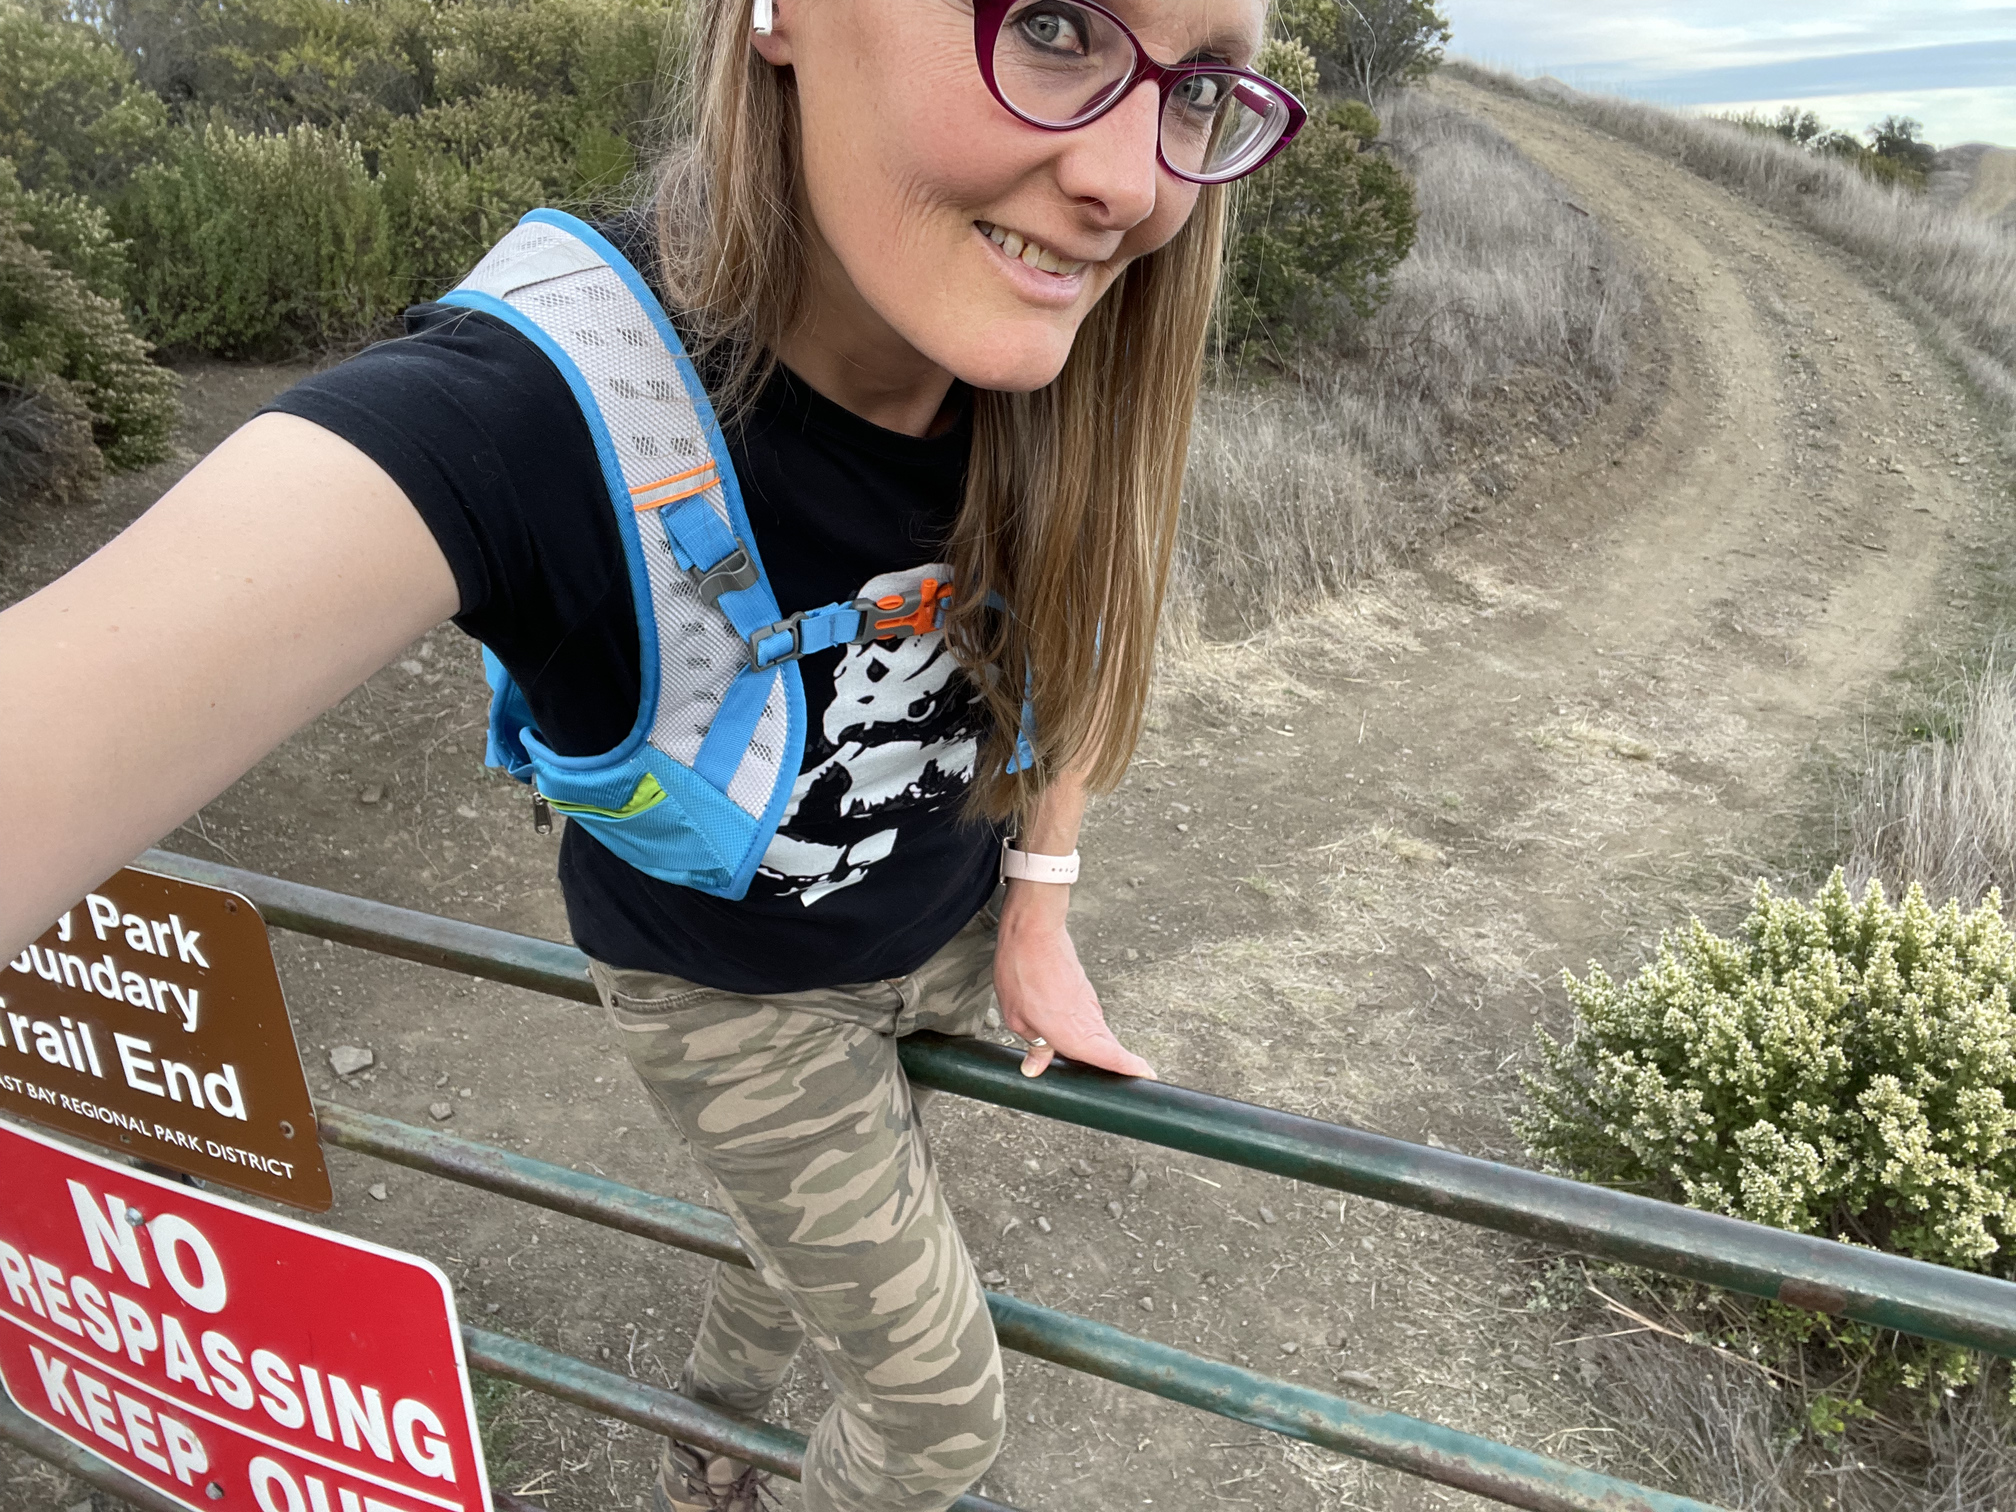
(1060, 64)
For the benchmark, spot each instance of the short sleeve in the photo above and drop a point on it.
(483, 436)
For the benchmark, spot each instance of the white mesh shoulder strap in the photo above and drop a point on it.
(561, 284)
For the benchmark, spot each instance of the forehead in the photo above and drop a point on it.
(1172, 28)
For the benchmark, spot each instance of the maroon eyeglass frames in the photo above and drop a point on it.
(1062, 64)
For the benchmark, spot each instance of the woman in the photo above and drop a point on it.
(946, 271)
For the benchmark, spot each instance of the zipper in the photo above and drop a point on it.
(648, 794)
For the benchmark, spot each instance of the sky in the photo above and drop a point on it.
(1951, 65)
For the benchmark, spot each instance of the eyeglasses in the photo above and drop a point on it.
(1062, 64)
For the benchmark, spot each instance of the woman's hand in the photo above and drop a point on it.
(1043, 990)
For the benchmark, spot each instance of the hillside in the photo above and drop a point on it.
(1979, 178)
(1352, 860)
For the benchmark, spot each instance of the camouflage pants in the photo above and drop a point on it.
(796, 1105)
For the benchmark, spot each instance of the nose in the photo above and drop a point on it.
(1110, 166)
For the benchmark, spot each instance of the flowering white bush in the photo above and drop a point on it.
(1840, 1068)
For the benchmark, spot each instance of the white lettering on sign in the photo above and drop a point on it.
(277, 1491)
(351, 1413)
(70, 1045)
(105, 977)
(176, 1238)
(110, 1234)
(360, 1419)
(202, 1346)
(216, 1090)
(74, 1393)
(145, 935)
(108, 977)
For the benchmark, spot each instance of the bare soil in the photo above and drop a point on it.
(1355, 855)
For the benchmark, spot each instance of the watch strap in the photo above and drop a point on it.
(1027, 866)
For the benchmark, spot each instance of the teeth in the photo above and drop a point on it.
(1030, 254)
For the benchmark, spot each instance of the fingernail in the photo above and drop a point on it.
(1030, 1068)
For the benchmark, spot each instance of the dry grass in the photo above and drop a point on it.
(1950, 266)
(46, 451)
(1302, 483)
(1942, 812)
(1708, 1426)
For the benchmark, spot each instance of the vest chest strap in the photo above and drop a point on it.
(894, 616)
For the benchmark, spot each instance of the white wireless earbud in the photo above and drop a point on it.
(762, 17)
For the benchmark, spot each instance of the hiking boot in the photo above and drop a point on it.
(691, 1480)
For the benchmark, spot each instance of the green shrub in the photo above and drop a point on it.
(72, 116)
(1319, 230)
(458, 176)
(265, 65)
(1840, 1068)
(76, 233)
(1367, 46)
(1843, 1068)
(259, 243)
(1895, 156)
(74, 349)
(465, 113)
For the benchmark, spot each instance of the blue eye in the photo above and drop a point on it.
(1052, 29)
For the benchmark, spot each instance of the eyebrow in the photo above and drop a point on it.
(1222, 43)
(1220, 47)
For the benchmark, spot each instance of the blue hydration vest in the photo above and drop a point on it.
(695, 792)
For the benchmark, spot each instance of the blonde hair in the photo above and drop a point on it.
(1072, 491)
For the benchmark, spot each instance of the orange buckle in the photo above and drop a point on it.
(916, 613)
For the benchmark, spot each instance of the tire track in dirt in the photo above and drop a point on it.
(1579, 720)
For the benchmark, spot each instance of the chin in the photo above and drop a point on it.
(1008, 361)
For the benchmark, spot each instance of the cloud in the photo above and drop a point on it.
(1636, 38)
(1954, 65)
(1951, 66)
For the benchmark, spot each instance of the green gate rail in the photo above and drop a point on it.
(1891, 1291)
(764, 1445)
(1393, 1439)
(1257, 1137)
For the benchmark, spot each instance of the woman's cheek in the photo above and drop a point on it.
(1173, 203)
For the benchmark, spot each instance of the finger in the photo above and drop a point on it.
(1037, 1060)
(1116, 1057)
(1100, 1048)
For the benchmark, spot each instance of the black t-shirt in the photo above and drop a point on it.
(875, 865)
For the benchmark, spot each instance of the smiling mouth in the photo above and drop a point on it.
(1028, 253)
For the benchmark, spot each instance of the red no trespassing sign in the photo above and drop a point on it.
(230, 1359)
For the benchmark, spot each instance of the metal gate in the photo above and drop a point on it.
(1801, 1271)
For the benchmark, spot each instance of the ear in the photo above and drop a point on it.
(774, 46)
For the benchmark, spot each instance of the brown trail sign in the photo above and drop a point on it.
(149, 1019)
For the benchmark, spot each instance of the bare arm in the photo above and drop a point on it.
(273, 579)
(1043, 989)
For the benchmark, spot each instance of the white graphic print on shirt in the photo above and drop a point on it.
(899, 738)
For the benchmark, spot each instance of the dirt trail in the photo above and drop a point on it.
(1353, 858)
